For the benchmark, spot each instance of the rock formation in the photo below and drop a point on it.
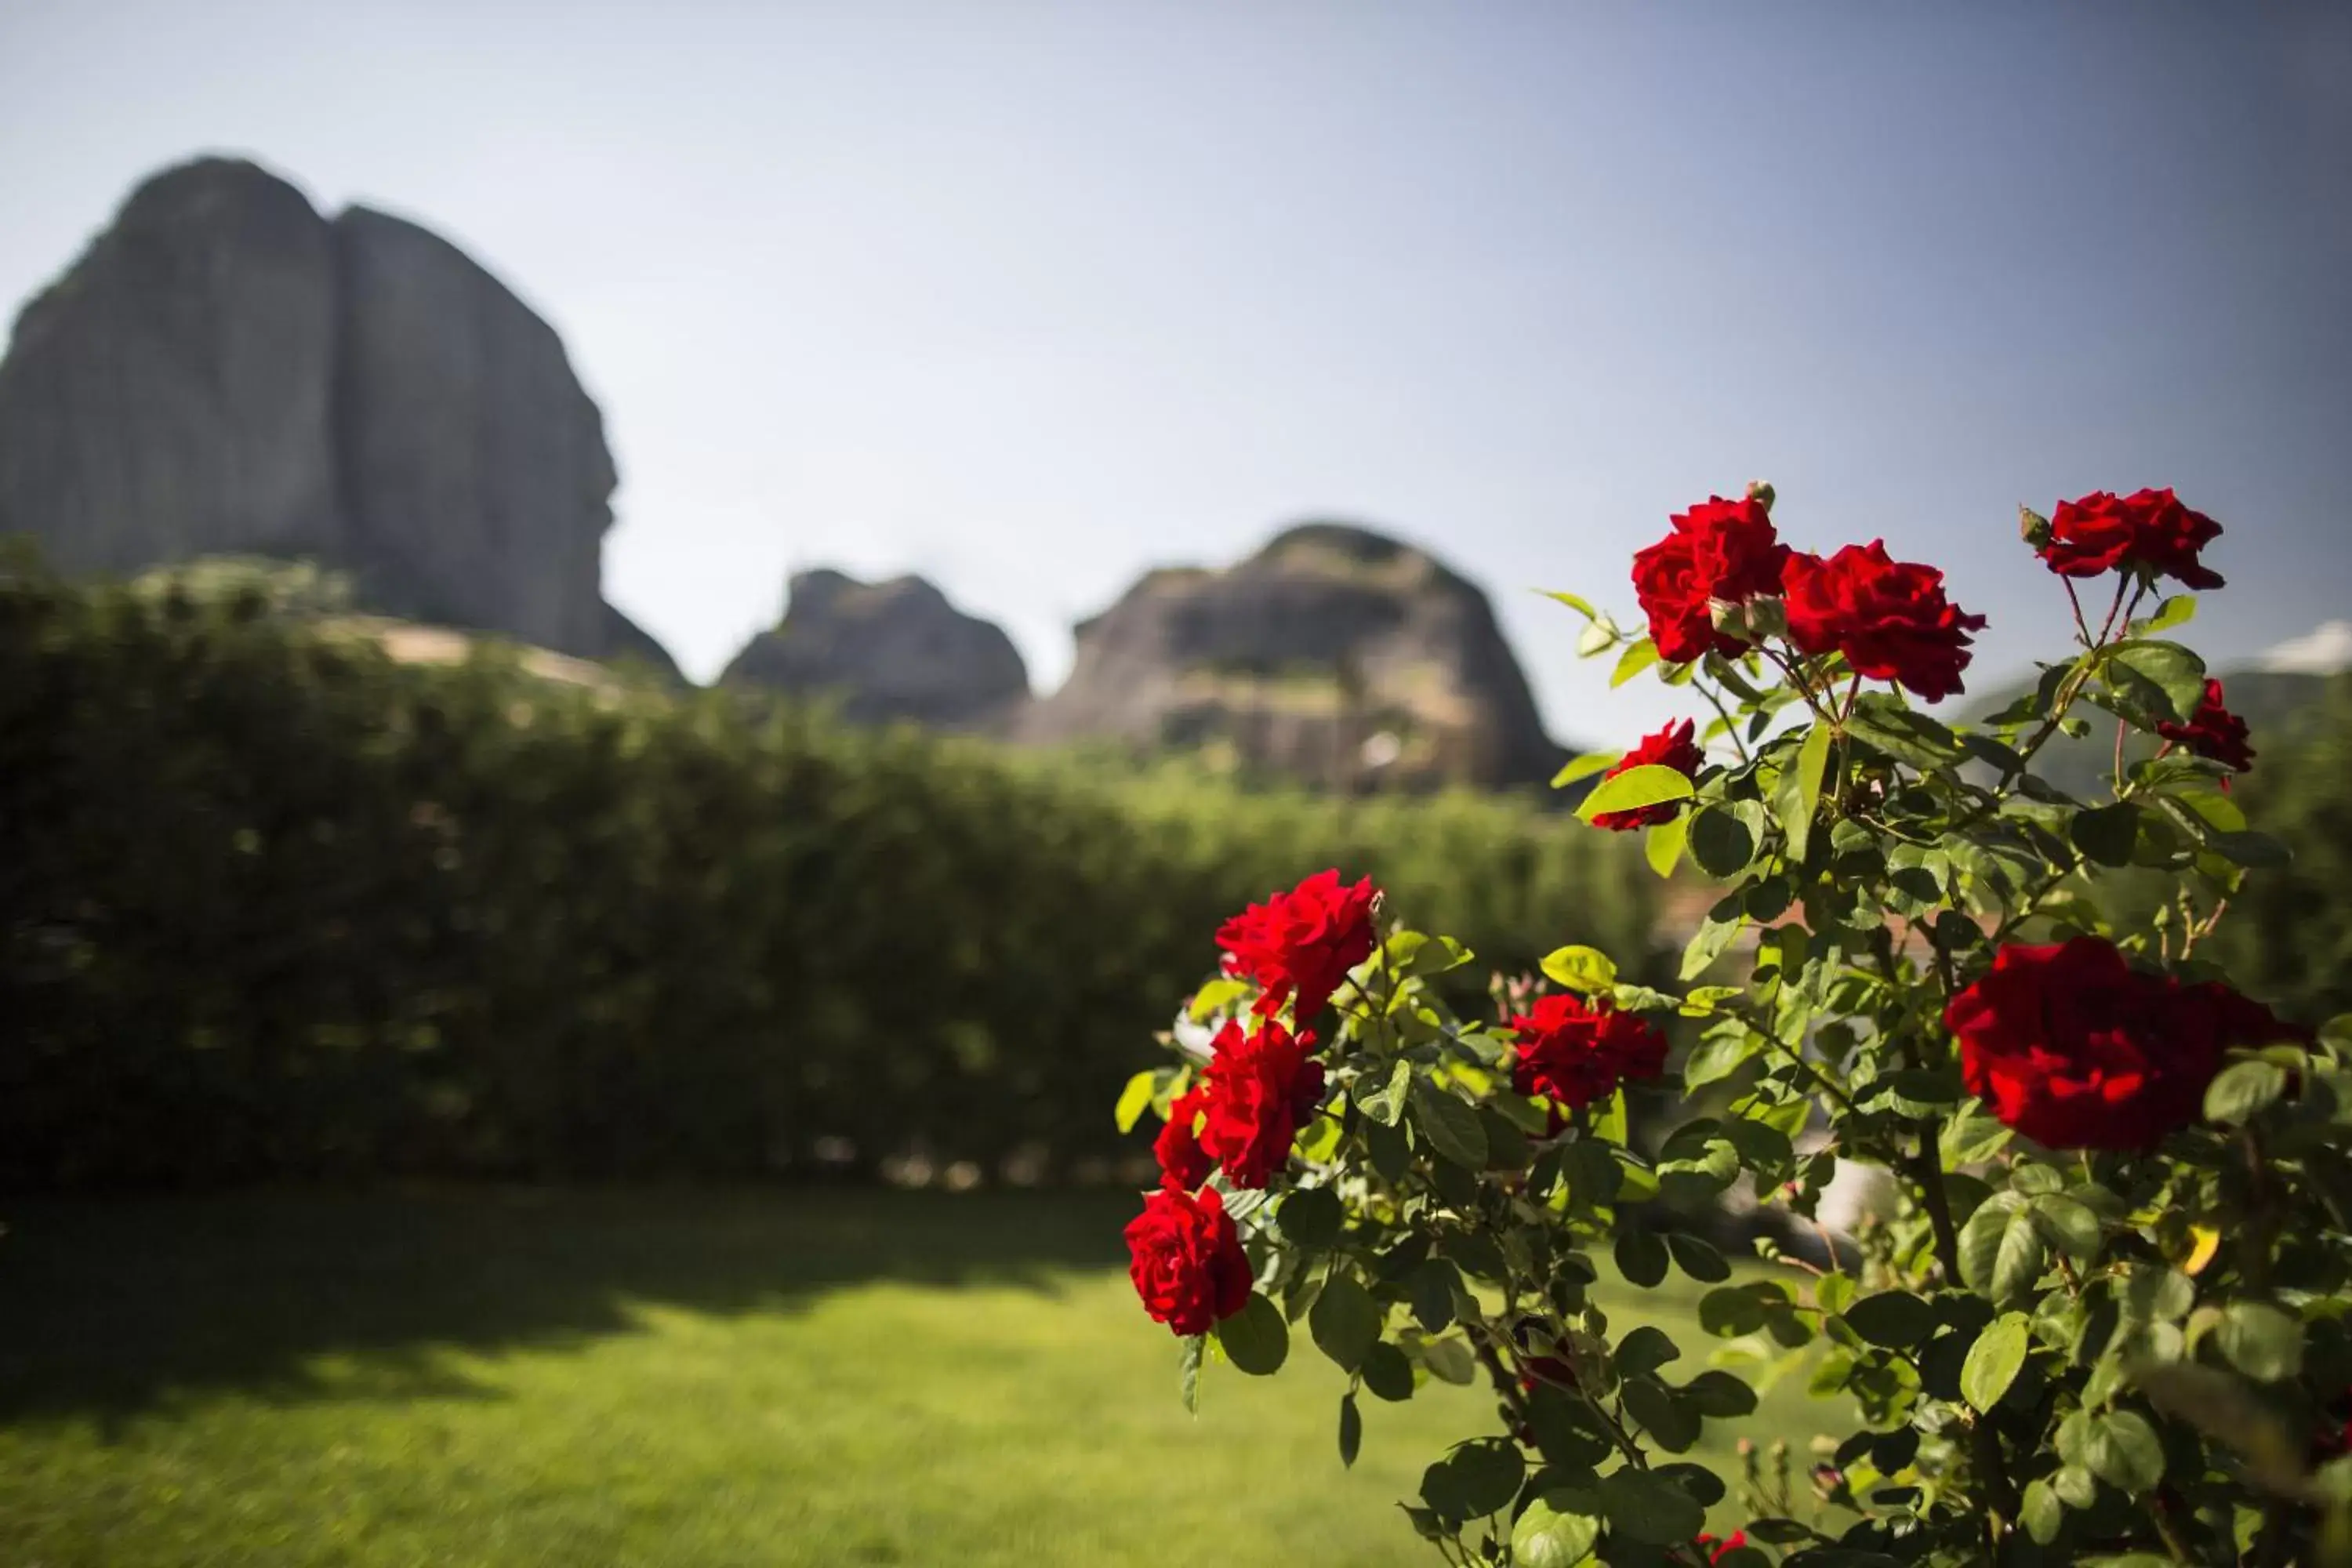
(227, 372)
(887, 650)
(1334, 656)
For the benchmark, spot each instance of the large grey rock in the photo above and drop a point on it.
(889, 650)
(227, 373)
(169, 396)
(473, 463)
(1335, 655)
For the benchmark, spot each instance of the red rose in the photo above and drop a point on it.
(1889, 617)
(1262, 1087)
(2214, 731)
(2149, 530)
(1723, 550)
(1671, 747)
(1301, 944)
(1720, 1549)
(1183, 1162)
(1186, 1260)
(1574, 1054)
(2075, 1049)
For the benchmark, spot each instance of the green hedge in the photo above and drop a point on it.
(272, 904)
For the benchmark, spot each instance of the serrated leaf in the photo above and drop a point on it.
(1654, 1407)
(2175, 611)
(1478, 1479)
(1718, 1055)
(1721, 843)
(1892, 1318)
(2106, 835)
(1995, 1360)
(1973, 1134)
(1640, 1257)
(2260, 1340)
(2176, 674)
(1697, 1257)
(1583, 969)
(2122, 1450)
(1311, 1218)
(2244, 1090)
(1704, 948)
(1345, 1321)
(1136, 1099)
(2000, 1251)
(2067, 1225)
(1649, 1509)
(1552, 1533)
(1188, 1371)
(1255, 1339)
(1638, 656)
(1384, 1104)
(1585, 766)
(1645, 1349)
(1662, 843)
(1798, 797)
(1646, 784)
(1452, 1126)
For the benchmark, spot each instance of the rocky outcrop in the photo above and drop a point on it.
(1335, 655)
(886, 651)
(227, 372)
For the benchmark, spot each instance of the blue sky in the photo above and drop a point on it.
(1031, 297)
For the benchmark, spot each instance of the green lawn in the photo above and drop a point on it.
(672, 1378)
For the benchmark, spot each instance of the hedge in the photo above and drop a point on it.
(275, 905)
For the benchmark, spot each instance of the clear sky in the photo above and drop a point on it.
(1029, 297)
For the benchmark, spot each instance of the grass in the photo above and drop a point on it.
(660, 1378)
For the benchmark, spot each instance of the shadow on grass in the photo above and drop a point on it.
(111, 1308)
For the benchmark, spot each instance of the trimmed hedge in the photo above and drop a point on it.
(273, 905)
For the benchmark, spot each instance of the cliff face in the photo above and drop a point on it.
(227, 372)
(1334, 654)
(889, 650)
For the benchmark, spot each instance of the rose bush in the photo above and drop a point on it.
(2106, 1322)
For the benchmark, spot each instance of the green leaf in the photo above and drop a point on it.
(2261, 1342)
(1654, 1405)
(2067, 1225)
(1892, 1318)
(2106, 835)
(1449, 1361)
(1662, 843)
(1645, 1349)
(2000, 1251)
(1697, 1257)
(2074, 1486)
(1718, 1055)
(1553, 1533)
(1995, 1360)
(2124, 1450)
(1452, 1126)
(1585, 766)
(1973, 1134)
(1256, 1340)
(1576, 602)
(2045, 1514)
(1385, 1104)
(1188, 1371)
(1136, 1099)
(1584, 969)
(1479, 1478)
(1638, 657)
(1640, 1257)
(1351, 1430)
(2175, 611)
(1311, 1218)
(1388, 1374)
(2176, 673)
(1730, 1311)
(1706, 947)
(1346, 1323)
(1216, 997)
(1649, 1509)
(1432, 1295)
(1720, 842)
(1647, 785)
(2244, 1090)
(1798, 797)
(1719, 1396)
